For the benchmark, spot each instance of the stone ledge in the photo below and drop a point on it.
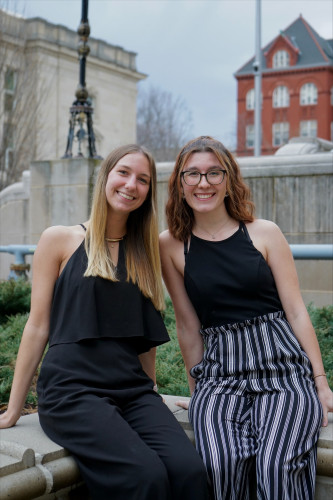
(34, 467)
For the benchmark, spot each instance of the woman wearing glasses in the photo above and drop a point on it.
(96, 296)
(254, 366)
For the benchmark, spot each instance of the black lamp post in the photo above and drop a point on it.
(81, 110)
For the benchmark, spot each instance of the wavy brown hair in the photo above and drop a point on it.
(239, 206)
(142, 249)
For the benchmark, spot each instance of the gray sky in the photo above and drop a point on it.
(189, 47)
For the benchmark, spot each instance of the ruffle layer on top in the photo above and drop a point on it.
(93, 307)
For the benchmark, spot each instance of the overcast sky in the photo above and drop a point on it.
(191, 48)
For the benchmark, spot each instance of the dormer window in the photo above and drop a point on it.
(281, 59)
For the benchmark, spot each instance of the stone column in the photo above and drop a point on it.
(60, 193)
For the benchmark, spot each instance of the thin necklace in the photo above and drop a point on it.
(213, 235)
(114, 240)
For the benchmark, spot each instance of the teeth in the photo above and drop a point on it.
(126, 196)
(203, 196)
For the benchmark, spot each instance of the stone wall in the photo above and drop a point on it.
(293, 191)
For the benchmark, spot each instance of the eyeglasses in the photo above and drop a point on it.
(193, 177)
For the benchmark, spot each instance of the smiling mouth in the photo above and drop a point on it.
(126, 196)
(204, 196)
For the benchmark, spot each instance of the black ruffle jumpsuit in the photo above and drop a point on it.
(96, 400)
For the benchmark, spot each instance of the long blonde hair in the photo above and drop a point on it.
(180, 215)
(142, 249)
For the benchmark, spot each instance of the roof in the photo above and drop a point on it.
(313, 50)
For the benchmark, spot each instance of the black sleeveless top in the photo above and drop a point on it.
(229, 281)
(94, 307)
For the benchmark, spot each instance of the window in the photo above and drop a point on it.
(280, 133)
(308, 128)
(281, 97)
(281, 59)
(250, 136)
(9, 90)
(308, 94)
(250, 99)
(8, 137)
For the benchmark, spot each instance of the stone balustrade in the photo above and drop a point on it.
(34, 467)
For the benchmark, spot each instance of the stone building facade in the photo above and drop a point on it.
(296, 88)
(39, 74)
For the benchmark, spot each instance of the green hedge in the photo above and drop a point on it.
(14, 298)
(170, 371)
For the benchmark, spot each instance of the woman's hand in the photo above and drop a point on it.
(183, 404)
(7, 420)
(325, 396)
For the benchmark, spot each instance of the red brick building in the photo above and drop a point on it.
(296, 88)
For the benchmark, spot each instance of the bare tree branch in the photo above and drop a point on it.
(164, 122)
(21, 95)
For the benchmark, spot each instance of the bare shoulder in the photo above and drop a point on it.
(168, 241)
(172, 251)
(59, 242)
(263, 228)
(266, 236)
(166, 237)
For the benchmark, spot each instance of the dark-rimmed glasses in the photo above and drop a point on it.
(193, 177)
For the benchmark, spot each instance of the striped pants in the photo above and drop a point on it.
(255, 412)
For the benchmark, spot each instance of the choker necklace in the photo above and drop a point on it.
(114, 240)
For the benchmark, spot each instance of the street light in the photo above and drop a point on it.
(81, 110)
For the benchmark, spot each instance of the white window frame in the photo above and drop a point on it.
(308, 94)
(249, 136)
(280, 133)
(250, 97)
(281, 59)
(281, 97)
(308, 128)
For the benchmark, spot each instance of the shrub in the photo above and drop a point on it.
(10, 336)
(322, 320)
(14, 298)
(170, 370)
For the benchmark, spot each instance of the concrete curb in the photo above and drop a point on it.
(32, 466)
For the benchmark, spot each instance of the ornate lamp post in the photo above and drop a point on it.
(81, 110)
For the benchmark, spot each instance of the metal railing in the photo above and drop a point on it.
(312, 252)
(19, 268)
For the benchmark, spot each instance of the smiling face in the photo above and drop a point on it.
(128, 183)
(204, 197)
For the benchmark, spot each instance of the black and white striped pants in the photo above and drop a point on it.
(255, 411)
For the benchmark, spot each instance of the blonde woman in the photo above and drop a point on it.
(259, 390)
(96, 299)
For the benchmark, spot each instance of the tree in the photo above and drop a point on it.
(21, 96)
(164, 123)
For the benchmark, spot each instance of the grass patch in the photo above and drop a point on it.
(170, 370)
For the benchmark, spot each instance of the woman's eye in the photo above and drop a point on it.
(143, 181)
(193, 174)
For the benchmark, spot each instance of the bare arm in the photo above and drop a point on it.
(187, 322)
(281, 262)
(46, 265)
